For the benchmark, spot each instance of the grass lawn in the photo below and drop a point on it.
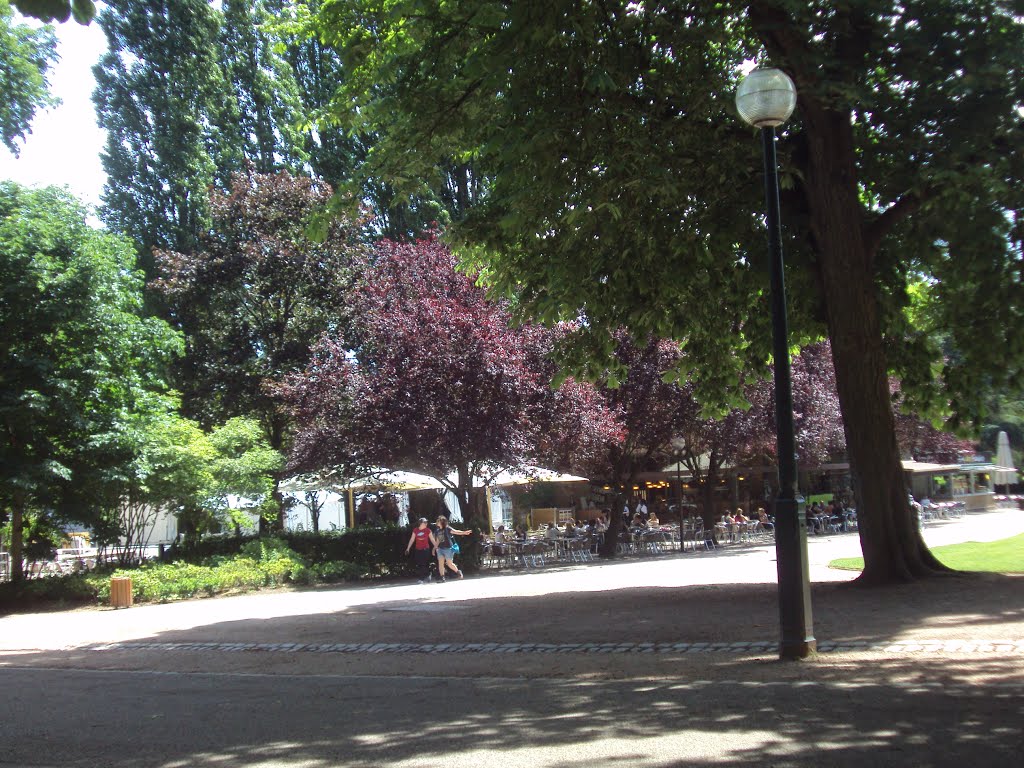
(1003, 556)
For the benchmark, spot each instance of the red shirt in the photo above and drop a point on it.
(422, 538)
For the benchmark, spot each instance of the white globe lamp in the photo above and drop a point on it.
(766, 98)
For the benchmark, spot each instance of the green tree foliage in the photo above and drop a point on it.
(208, 481)
(270, 114)
(191, 93)
(317, 71)
(255, 295)
(78, 362)
(626, 190)
(338, 147)
(25, 58)
(165, 468)
(163, 99)
(58, 10)
(244, 471)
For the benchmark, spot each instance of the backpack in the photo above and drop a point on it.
(450, 542)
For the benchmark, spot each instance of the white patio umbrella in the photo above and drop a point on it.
(1005, 473)
(387, 480)
(530, 474)
(526, 475)
(375, 479)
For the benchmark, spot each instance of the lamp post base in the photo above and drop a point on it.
(794, 580)
(798, 651)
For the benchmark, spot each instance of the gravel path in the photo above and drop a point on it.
(636, 616)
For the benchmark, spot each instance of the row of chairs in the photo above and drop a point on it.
(647, 542)
(943, 511)
(692, 536)
(535, 553)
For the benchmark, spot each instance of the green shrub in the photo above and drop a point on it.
(266, 562)
(339, 570)
(206, 548)
(266, 549)
(50, 592)
(225, 563)
(380, 549)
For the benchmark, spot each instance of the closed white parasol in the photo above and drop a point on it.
(1004, 473)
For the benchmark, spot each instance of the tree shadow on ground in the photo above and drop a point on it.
(205, 708)
(880, 714)
(968, 606)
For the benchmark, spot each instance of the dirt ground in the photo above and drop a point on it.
(960, 628)
(984, 610)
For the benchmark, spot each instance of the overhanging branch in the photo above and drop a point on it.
(903, 208)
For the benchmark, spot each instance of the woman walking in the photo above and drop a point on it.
(446, 546)
(425, 542)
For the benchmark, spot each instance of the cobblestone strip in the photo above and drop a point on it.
(916, 647)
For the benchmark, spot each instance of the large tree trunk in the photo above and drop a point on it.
(17, 536)
(707, 501)
(277, 442)
(278, 497)
(621, 477)
(616, 524)
(891, 542)
(464, 494)
(706, 479)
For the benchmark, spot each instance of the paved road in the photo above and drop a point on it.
(96, 719)
(188, 687)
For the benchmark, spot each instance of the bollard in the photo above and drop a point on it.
(121, 592)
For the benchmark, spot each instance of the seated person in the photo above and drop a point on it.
(520, 532)
(810, 519)
(570, 530)
(499, 540)
(652, 519)
(638, 521)
(762, 517)
(915, 506)
(739, 517)
(552, 532)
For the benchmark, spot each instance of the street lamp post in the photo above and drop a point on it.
(765, 99)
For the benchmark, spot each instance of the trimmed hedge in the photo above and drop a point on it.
(52, 592)
(259, 563)
(381, 550)
(221, 564)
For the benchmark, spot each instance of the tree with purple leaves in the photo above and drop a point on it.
(712, 444)
(919, 439)
(656, 412)
(817, 416)
(436, 380)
